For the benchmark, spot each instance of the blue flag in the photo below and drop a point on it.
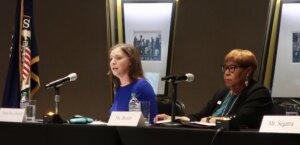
(22, 78)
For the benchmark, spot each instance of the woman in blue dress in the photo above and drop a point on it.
(128, 78)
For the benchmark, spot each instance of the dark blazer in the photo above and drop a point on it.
(253, 102)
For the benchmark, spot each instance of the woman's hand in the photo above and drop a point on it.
(211, 119)
(164, 117)
(161, 117)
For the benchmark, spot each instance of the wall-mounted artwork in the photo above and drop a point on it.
(148, 25)
(286, 75)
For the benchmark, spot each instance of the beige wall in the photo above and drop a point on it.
(71, 37)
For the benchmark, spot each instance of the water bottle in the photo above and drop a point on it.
(134, 103)
(23, 102)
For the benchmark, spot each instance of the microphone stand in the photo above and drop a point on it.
(56, 99)
(55, 118)
(173, 109)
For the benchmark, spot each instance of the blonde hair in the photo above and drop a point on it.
(243, 58)
(135, 70)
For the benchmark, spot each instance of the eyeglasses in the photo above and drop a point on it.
(231, 68)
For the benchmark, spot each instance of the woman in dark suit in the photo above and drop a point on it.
(243, 99)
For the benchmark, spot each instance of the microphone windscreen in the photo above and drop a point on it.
(72, 76)
(189, 77)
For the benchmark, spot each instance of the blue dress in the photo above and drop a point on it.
(143, 91)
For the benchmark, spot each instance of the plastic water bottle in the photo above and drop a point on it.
(23, 102)
(134, 103)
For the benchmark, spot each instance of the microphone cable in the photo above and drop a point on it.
(218, 131)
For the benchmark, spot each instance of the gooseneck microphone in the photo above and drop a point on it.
(57, 83)
(178, 78)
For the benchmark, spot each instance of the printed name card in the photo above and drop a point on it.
(280, 124)
(125, 118)
(12, 115)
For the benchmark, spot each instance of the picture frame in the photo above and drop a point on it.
(285, 79)
(149, 26)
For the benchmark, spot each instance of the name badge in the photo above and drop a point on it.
(280, 124)
(125, 118)
(12, 115)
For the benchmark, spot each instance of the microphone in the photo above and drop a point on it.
(57, 83)
(187, 77)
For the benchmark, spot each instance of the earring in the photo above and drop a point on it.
(247, 80)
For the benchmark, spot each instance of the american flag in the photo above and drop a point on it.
(26, 63)
(26, 58)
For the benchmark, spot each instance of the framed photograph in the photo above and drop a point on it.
(296, 47)
(286, 73)
(148, 25)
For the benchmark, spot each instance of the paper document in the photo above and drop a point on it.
(203, 123)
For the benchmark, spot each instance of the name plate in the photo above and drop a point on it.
(125, 118)
(12, 115)
(280, 124)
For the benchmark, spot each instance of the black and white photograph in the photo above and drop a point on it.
(296, 47)
(149, 44)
